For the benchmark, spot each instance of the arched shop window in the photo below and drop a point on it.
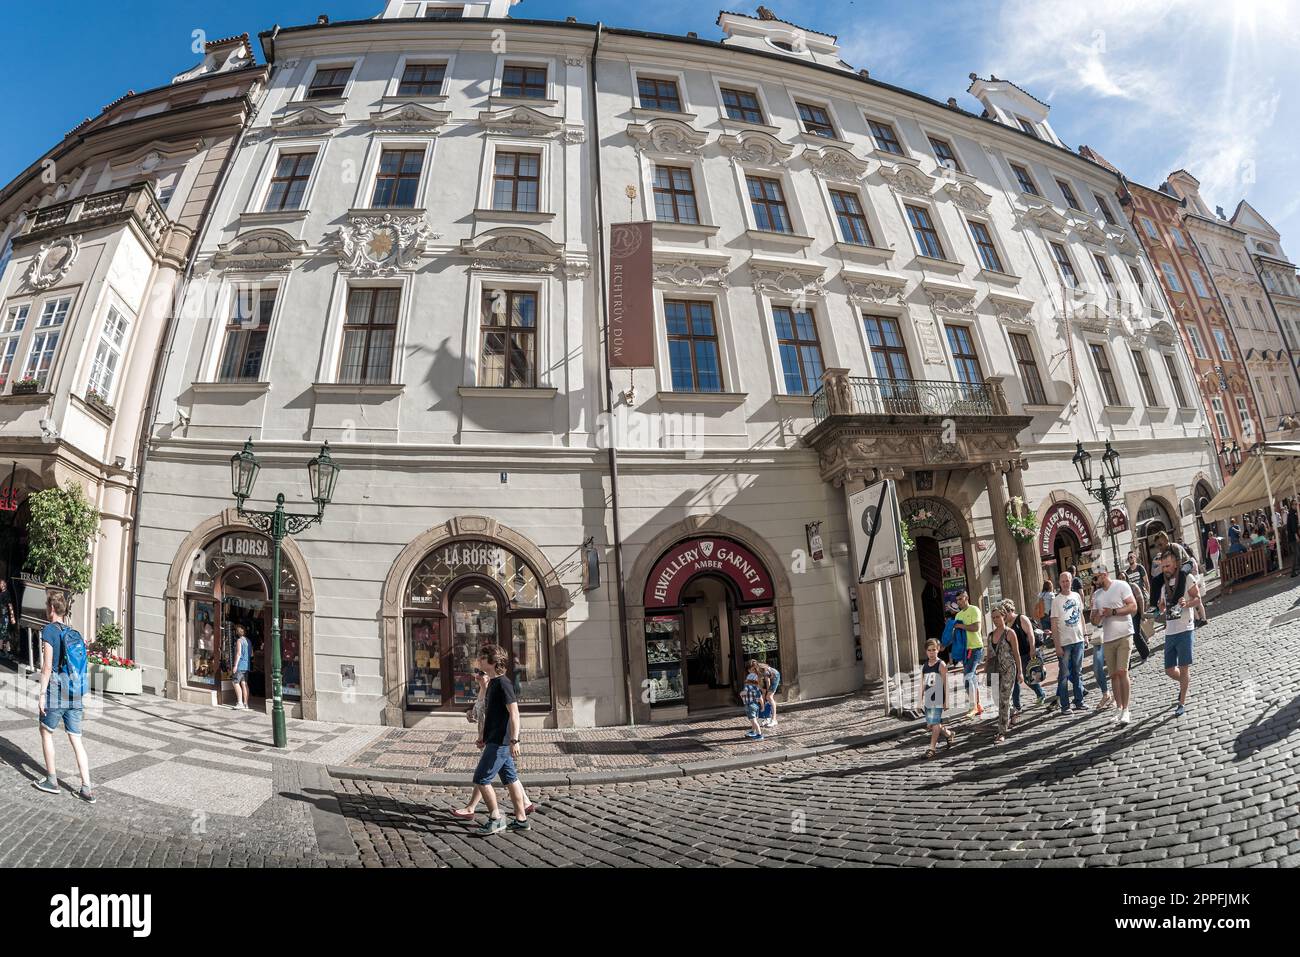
(464, 595)
(229, 587)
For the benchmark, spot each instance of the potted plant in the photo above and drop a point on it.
(27, 386)
(99, 403)
(109, 672)
(1021, 520)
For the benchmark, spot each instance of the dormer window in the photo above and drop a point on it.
(329, 82)
(742, 105)
(944, 154)
(444, 13)
(816, 120)
(1027, 126)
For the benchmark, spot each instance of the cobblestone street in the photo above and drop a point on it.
(1218, 785)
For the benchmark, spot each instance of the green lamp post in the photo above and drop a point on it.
(1105, 490)
(322, 474)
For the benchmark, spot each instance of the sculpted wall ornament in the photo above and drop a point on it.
(756, 148)
(1011, 311)
(381, 245)
(307, 119)
(575, 134)
(836, 164)
(950, 300)
(786, 282)
(666, 135)
(261, 250)
(907, 180)
(868, 291)
(513, 250)
(692, 273)
(521, 121)
(1090, 231)
(968, 197)
(409, 116)
(53, 261)
(1044, 216)
(576, 269)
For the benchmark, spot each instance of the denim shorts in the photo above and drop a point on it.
(753, 710)
(70, 718)
(776, 686)
(239, 677)
(496, 759)
(933, 716)
(1178, 650)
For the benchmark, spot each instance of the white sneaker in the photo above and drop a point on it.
(1124, 716)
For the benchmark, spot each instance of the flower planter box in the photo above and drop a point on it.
(26, 387)
(116, 680)
(97, 402)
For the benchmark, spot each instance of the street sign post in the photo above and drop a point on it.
(877, 532)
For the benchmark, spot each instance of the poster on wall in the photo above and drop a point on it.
(952, 559)
(877, 532)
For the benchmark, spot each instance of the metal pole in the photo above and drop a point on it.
(1268, 487)
(278, 733)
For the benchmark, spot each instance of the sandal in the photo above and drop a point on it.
(1000, 739)
(929, 752)
(948, 736)
(461, 814)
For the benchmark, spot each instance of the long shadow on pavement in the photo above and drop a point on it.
(1265, 731)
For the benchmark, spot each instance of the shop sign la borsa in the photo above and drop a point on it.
(729, 559)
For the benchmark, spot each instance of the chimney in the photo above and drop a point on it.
(322, 19)
(765, 14)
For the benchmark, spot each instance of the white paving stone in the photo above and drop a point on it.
(196, 788)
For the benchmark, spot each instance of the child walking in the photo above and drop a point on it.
(934, 690)
(752, 693)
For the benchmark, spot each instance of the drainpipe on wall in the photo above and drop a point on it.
(163, 356)
(598, 207)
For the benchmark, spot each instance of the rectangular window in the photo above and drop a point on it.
(528, 82)
(444, 13)
(1107, 279)
(885, 137)
(927, 237)
(516, 182)
(1064, 265)
(1198, 347)
(369, 335)
(944, 154)
(1028, 366)
(1198, 283)
(289, 183)
(422, 79)
(1104, 206)
(45, 343)
(816, 120)
(246, 334)
(674, 190)
(854, 227)
(1150, 227)
(1171, 277)
(768, 203)
(1144, 377)
(1221, 340)
(108, 354)
(964, 357)
(508, 352)
(1178, 237)
(988, 252)
(1027, 184)
(693, 346)
(329, 82)
(1243, 413)
(398, 180)
(1027, 126)
(1070, 199)
(1101, 360)
(657, 94)
(888, 351)
(801, 351)
(742, 105)
(1220, 418)
(1171, 366)
(10, 333)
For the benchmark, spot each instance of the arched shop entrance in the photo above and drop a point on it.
(1152, 519)
(229, 586)
(463, 595)
(1201, 496)
(709, 609)
(1065, 540)
(937, 564)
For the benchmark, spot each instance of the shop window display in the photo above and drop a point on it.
(758, 636)
(663, 652)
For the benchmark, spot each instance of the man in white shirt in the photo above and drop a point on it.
(1067, 635)
(1178, 600)
(1113, 606)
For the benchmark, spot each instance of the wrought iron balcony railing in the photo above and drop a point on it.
(854, 395)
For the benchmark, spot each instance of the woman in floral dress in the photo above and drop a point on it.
(1004, 656)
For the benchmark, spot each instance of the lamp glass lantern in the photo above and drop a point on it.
(322, 473)
(244, 467)
(1111, 461)
(1083, 463)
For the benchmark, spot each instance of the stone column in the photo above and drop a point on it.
(1008, 557)
(1031, 568)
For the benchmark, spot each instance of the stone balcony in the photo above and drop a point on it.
(135, 204)
(897, 425)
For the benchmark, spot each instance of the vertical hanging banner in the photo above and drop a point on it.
(631, 296)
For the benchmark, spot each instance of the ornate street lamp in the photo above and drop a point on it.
(1230, 457)
(1105, 490)
(322, 475)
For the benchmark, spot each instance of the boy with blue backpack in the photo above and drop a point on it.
(63, 689)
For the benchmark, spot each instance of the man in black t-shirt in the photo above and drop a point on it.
(1293, 535)
(1136, 575)
(500, 744)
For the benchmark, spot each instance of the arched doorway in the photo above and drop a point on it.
(1065, 541)
(708, 610)
(937, 563)
(463, 595)
(229, 587)
(1201, 496)
(1152, 519)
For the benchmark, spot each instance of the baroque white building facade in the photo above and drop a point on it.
(851, 282)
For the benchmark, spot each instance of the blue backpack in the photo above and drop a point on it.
(72, 664)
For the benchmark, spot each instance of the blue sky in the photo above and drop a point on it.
(1154, 86)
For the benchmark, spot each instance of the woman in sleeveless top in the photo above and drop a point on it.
(1024, 629)
(1005, 656)
(934, 695)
